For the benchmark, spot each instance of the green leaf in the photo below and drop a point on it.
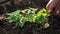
(40, 19)
(44, 10)
(25, 10)
(39, 13)
(34, 19)
(22, 21)
(14, 13)
(33, 9)
(30, 17)
(14, 16)
(8, 18)
(46, 25)
(44, 14)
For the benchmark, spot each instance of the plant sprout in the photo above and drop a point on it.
(40, 17)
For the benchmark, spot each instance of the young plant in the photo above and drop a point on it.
(41, 16)
(20, 19)
(16, 17)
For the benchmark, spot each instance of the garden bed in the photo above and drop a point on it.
(28, 28)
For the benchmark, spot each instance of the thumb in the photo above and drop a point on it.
(48, 6)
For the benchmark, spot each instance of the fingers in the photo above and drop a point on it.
(48, 5)
(51, 4)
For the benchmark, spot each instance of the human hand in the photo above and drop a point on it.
(52, 4)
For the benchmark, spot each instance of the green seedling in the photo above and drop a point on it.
(40, 17)
(17, 17)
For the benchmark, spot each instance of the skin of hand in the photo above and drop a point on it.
(52, 4)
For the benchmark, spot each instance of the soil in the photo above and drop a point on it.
(29, 28)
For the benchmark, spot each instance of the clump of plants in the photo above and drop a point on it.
(20, 17)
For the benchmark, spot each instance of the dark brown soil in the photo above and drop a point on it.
(29, 28)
